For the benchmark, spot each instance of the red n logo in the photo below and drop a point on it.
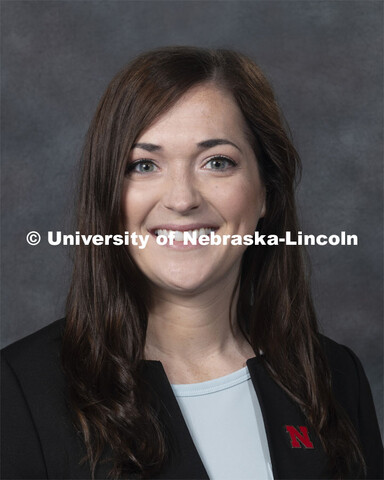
(297, 436)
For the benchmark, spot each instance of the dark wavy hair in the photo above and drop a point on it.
(107, 306)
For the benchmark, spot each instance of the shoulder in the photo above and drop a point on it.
(33, 365)
(341, 358)
(46, 335)
(34, 409)
(49, 335)
(347, 372)
(349, 383)
(352, 391)
(39, 349)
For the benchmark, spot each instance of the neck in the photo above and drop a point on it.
(187, 333)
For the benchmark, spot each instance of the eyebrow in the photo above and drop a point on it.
(212, 142)
(149, 147)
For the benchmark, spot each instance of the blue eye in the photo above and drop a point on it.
(141, 166)
(220, 163)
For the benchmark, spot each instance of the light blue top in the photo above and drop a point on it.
(225, 422)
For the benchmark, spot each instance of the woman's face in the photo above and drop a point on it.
(193, 170)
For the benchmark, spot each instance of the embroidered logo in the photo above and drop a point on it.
(299, 438)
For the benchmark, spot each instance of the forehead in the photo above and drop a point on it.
(205, 111)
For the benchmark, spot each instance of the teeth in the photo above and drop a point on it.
(179, 236)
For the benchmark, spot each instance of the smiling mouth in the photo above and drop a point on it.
(178, 235)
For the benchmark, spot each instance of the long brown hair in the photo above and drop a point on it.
(107, 306)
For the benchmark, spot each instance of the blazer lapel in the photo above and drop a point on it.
(184, 461)
(295, 450)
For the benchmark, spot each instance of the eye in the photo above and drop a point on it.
(220, 163)
(141, 166)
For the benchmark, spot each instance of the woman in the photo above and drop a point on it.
(183, 360)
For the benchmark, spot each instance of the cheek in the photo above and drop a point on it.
(240, 202)
(136, 205)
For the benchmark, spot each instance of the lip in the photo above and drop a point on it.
(182, 228)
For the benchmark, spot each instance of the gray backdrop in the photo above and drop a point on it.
(324, 60)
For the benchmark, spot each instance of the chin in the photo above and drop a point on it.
(184, 285)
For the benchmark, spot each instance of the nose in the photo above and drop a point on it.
(181, 193)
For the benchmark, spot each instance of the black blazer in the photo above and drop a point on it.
(39, 440)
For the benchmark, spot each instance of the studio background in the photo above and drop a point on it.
(325, 62)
